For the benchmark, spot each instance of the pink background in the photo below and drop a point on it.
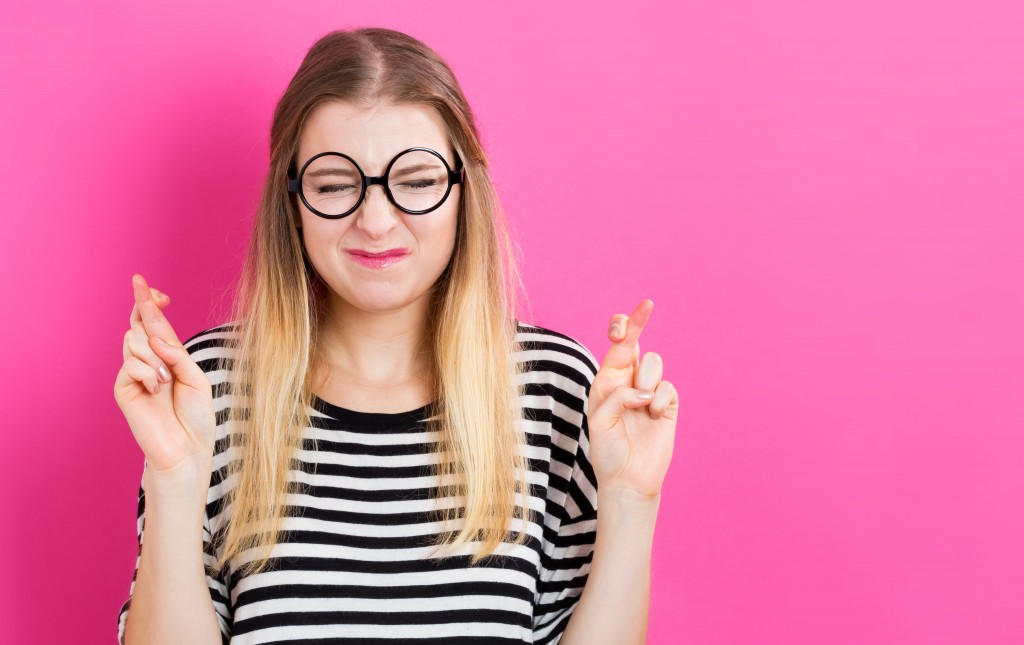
(823, 199)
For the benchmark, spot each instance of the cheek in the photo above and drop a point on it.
(444, 236)
(437, 235)
(322, 244)
(320, 232)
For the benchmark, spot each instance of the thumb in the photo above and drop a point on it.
(182, 367)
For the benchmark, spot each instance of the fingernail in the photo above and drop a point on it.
(644, 396)
(162, 373)
(616, 330)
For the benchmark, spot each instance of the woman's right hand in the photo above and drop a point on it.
(173, 420)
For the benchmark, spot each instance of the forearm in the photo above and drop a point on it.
(616, 599)
(171, 601)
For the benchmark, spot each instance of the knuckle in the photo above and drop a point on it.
(138, 345)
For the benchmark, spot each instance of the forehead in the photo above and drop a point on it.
(371, 136)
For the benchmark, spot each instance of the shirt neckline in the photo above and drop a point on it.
(371, 419)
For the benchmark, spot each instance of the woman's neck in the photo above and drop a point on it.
(376, 349)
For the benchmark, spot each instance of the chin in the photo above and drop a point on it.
(379, 300)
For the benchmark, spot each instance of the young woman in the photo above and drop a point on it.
(375, 447)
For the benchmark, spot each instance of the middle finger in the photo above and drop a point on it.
(153, 319)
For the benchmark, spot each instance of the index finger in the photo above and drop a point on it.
(164, 300)
(622, 354)
(153, 319)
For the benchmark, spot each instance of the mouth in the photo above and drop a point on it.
(377, 260)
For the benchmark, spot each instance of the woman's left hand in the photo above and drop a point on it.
(631, 439)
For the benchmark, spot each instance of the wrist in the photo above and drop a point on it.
(187, 480)
(625, 498)
(627, 508)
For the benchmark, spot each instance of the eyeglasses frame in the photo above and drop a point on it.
(456, 176)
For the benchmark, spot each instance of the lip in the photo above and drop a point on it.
(378, 260)
(371, 254)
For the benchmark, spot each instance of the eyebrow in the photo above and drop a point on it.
(408, 170)
(330, 172)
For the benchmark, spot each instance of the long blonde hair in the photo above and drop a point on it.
(280, 304)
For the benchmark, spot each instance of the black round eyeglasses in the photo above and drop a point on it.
(417, 181)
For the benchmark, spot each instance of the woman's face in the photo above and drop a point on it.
(372, 137)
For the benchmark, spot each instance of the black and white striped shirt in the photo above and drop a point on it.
(352, 568)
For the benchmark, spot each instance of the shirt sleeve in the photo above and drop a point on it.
(216, 584)
(569, 550)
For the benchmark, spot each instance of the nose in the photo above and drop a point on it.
(376, 216)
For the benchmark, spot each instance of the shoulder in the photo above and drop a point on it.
(221, 334)
(206, 347)
(548, 350)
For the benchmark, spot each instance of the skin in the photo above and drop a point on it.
(631, 442)
(377, 318)
(165, 396)
(631, 438)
